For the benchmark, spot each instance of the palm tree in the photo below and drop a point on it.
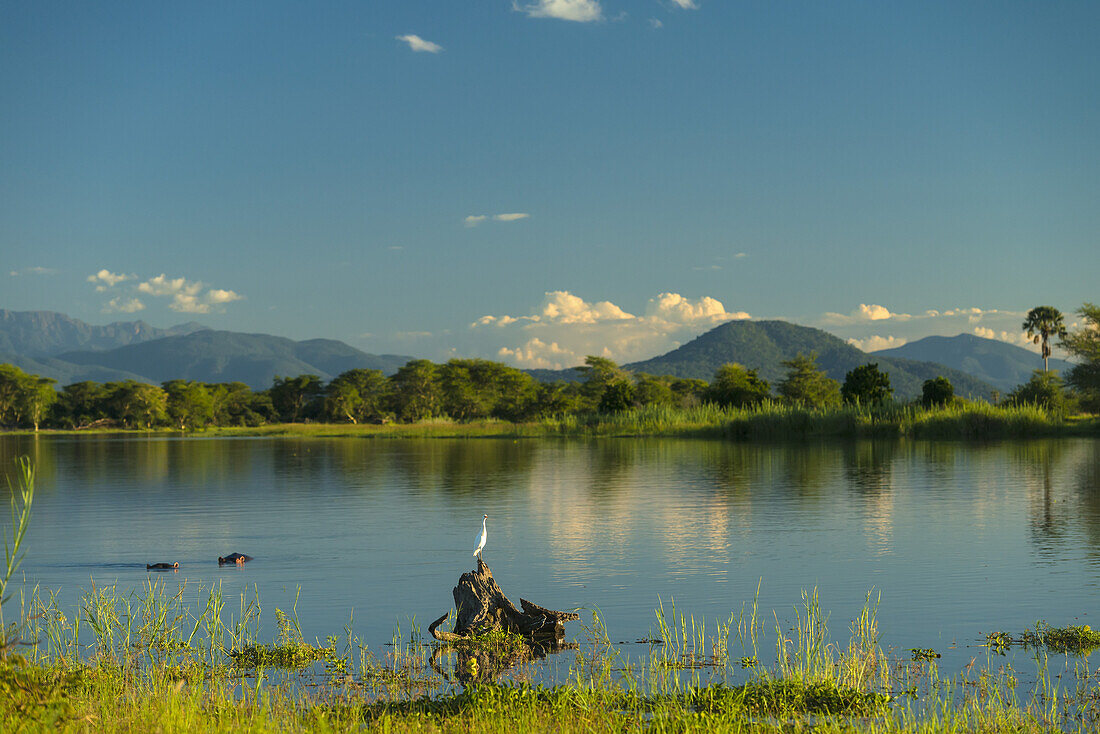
(1043, 322)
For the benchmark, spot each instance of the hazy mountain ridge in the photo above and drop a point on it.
(227, 356)
(764, 345)
(66, 373)
(1001, 364)
(49, 333)
(54, 345)
(191, 351)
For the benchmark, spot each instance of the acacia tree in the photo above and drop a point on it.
(136, 404)
(1044, 390)
(415, 393)
(1041, 323)
(38, 396)
(736, 386)
(292, 395)
(232, 404)
(866, 385)
(807, 385)
(356, 395)
(80, 404)
(599, 374)
(1084, 344)
(939, 391)
(11, 387)
(189, 404)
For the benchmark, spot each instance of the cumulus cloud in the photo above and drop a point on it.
(865, 312)
(674, 308)
(537, 354)
(418, 44)
(475, 219)
(581, 11)
(565, 328)
(105, 279)
(654, 23)
(686, 4)
(121, 304)
(1019, 338)
(877, 343)
(858, 327)
(187, 296)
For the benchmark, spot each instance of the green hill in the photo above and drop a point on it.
(1000, 364)
(764, 345)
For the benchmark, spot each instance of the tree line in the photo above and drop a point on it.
(460, 389)
(477, 389)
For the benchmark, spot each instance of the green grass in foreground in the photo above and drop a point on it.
(769, 421)
(150, 661)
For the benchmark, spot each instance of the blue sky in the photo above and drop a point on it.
(538, 180)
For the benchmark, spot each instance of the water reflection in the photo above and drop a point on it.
(958, 537)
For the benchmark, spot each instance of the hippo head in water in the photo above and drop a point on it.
(238, 558)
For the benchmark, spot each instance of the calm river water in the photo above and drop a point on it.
(959, 539)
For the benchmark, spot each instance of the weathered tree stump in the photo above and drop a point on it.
(483, 607)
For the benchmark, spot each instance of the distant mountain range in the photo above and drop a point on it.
(48, 333)
(68, 350)
(1001, 364)
(764, 345)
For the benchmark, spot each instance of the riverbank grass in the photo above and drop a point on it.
(151, 661)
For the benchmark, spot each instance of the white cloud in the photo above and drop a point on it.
(565, 328)
(33, 270)
(874, 312)
(416, 43)
(1019, 338)
(123, 305)
(217, 295)
(537, 354)
(187, 296)
(654, 23)
(475, 219)
(686, 4)
(105, 279)
(581, 11)
(865, 312)
(674, 308)
(877, 343)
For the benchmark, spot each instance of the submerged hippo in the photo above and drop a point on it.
(162, 566)
(237, 558)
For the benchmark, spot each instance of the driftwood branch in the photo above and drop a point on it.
(483, 607)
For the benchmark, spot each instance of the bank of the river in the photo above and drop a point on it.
(978, 421)
(154, 665)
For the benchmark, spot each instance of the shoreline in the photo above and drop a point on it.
(973, 422)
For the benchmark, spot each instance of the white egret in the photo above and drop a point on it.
(481, 538)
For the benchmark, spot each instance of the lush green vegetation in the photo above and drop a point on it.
(1084, 344)
(481, 398)
(153, 661)
(474, 397)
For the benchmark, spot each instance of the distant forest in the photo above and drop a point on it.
(460, 390)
